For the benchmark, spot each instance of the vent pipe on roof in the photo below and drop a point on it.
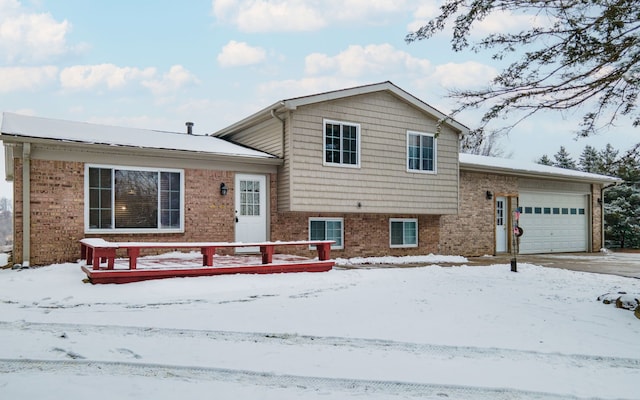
(189, 128)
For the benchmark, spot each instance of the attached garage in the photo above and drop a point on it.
(554, 222)
(559, 209)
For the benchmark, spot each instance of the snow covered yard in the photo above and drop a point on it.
(430, 332)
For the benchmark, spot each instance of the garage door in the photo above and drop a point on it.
(553, 222)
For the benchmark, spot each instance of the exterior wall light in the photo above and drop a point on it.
(223, 189)
(489, 195)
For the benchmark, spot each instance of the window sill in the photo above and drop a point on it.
(131, 231)
(355, 166)
(419, 171)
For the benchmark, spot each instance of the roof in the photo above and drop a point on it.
(293, 103)
(26, 127)
(530, 169)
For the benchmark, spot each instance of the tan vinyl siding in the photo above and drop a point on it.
(265, 136)
(382, 184)
(527, 184)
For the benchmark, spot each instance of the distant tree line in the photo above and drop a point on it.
(6, 221)
(622, 202)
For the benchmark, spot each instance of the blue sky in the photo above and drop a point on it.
(157, 63)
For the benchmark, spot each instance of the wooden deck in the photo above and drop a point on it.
(103, 267)
(137, 275)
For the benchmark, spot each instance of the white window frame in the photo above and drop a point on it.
(403, 245)
(324, 143)
(435, 153)
(114, 230)
(333, 246)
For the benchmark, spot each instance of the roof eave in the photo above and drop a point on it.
(294, 103)
(539, 174)
(185, 154)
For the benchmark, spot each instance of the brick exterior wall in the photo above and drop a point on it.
(365, 235)
(472, 231)
(57, 211)
(596, 223)
(57, 220)
(208, 216)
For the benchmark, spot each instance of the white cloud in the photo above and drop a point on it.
(360, 9)
(29, 37)
(239, 54)
(497, 22)
(263, 16)
(84, 77)
(113, 77)
(422, 15)
(303, 15)
(176, 78)
(372, 59)
(26, 78)
(221, 8)
(464, 75)
(9, 7)
(505, 22)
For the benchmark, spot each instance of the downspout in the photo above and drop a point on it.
(602, 212)
(26, 204)
(274, 115)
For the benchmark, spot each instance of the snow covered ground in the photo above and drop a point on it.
(391, 333)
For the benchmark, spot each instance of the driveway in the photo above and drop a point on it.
(614, 263)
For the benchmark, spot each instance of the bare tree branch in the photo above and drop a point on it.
(578, 54)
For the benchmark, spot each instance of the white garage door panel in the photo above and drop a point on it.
(553, 222)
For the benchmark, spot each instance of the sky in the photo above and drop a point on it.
(157, 64)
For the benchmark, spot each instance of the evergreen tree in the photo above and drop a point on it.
(545, 160)
(590, 160)
(629, 166)
(622, 202)
(563, 159)
(622, 216)
(609, 161)
(6, 220)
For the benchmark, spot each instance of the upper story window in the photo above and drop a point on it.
(421, 152)
(341, 143)
(133, 199)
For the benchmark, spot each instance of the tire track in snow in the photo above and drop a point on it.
(286, 339)
(247, 377)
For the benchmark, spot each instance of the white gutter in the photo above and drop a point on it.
(274, 115)
(26, 204)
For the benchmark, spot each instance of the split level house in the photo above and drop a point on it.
(366, 166)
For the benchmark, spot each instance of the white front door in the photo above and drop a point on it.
(251, 210)
(501, 224)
